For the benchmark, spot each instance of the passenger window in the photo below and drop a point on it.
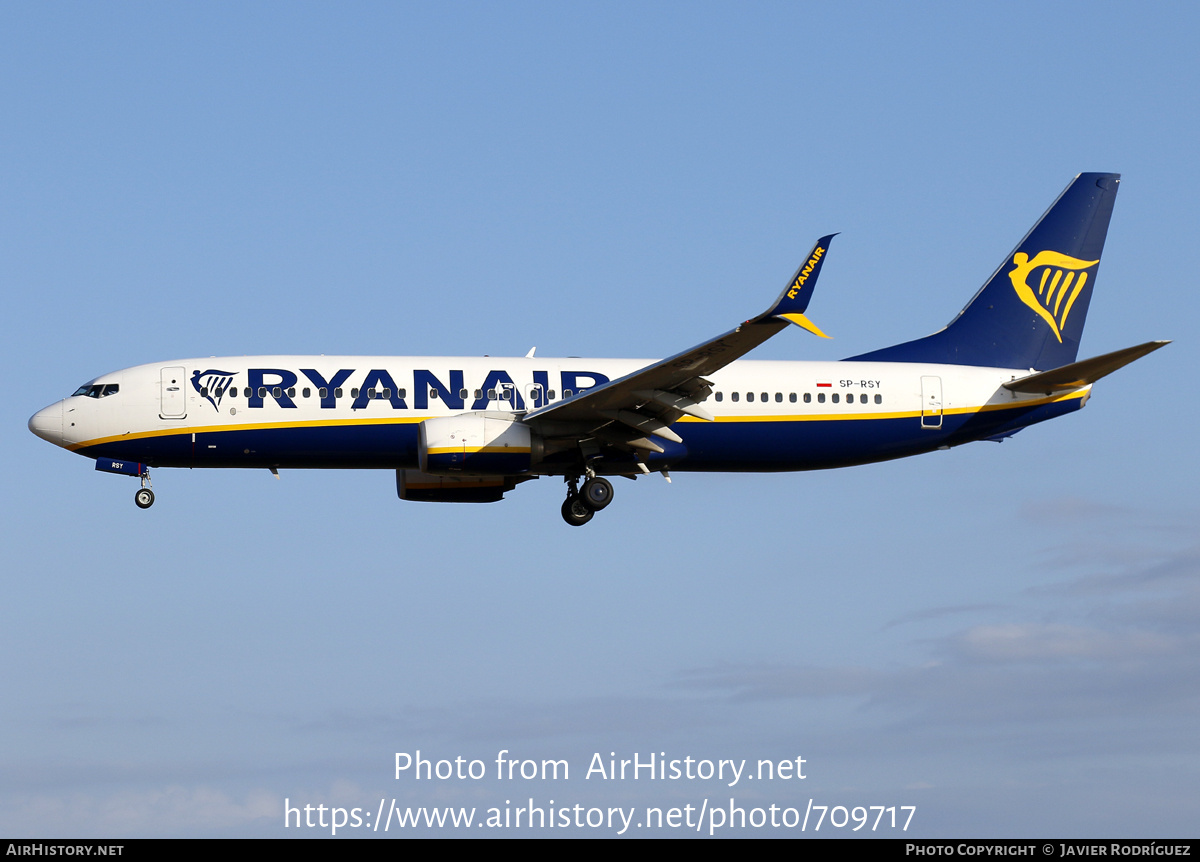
(835, 398)
(400, 393)
(820, 397)
(807, 397)
(862, 399)
(550, 394)
(203, 391)
(323, 392)
(433, 395)
(337, 393)
(370, 394)
(276, 392)
(878, 399)
(248, 392)
(354, 392)
(792, 397)
(491, 395)
(734, 396)
(291, 392)
(462, 394)
(478, 394)
(778, 397)
(262, 392)
(306, 392)
(764, 397)
(567, 393)
(387, 392)
(232, 391)
(749, 396)
(719, 397)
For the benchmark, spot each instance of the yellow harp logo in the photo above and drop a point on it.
(1061, 282)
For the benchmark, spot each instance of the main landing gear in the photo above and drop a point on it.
(582, 503)
(144, 498)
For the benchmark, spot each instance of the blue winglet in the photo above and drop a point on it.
(794, 300)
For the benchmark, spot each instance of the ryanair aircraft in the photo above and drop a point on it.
(469, 429)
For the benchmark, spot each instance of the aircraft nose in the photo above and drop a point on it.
(47, 423)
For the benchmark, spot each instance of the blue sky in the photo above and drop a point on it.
(1004, 636)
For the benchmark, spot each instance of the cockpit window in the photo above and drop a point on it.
(97, 390)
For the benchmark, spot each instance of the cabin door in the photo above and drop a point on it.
(171, 392)
(931, 402)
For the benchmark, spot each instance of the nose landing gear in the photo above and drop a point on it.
(582, 503)
(144, 498)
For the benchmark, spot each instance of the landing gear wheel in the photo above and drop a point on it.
(596, 493)
(575, 513)
(144, 498)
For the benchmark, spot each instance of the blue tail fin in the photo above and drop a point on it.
(1030, 313)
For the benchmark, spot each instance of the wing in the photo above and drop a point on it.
(628, 412)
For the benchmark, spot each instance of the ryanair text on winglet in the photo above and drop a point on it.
(805, 272)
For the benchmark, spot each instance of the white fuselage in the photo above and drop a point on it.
(330, 411)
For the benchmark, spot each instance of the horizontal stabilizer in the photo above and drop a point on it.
(1079, 374)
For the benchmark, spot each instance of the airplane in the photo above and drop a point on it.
(470, 429)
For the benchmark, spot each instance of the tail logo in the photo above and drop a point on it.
(1061, 281)
(212, 385)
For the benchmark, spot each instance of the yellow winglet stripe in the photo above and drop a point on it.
(803, 322)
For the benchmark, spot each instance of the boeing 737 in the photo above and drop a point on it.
(469, 429)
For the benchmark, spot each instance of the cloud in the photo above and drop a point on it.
(772, 681)
(1036, 642)
(937, 613)
(1073, 512)
(167, 810)
(504, 721)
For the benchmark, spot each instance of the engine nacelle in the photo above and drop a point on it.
(477, 444)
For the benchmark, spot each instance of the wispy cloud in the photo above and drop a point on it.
(168, 810)
(939, 613)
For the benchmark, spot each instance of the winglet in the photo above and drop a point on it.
(791, 304)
